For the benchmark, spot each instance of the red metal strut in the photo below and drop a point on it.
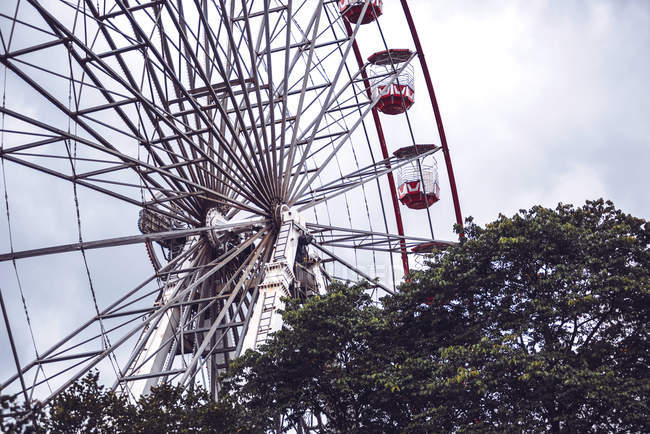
(436, 111)
(384, 152)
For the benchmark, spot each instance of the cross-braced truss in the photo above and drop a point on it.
(217, 120)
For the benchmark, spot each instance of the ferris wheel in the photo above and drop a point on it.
(244, 142)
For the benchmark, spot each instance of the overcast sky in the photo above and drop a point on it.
(542, 101)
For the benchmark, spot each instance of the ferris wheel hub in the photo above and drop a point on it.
(221, 239)
(281, 212)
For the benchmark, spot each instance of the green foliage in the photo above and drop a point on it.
(534, 323)
(318, 364)
(15, 417)
(88, 407)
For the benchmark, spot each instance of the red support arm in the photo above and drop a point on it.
(436, 111)
(384, 152)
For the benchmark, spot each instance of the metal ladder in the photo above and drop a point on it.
(281, 243)
(265, 319)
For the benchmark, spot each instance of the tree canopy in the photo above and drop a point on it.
(88, 407)
(537, 322)
(533, 323)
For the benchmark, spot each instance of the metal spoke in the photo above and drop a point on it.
(351, 267)
(238, 129)
(123, 241)
(342, 186)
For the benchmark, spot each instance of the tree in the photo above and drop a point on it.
(536, 322)
(16, 417)
(88, 407)
(317, 364)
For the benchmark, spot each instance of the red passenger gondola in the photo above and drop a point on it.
(352, 9)
(418, 180)
(392, 82)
